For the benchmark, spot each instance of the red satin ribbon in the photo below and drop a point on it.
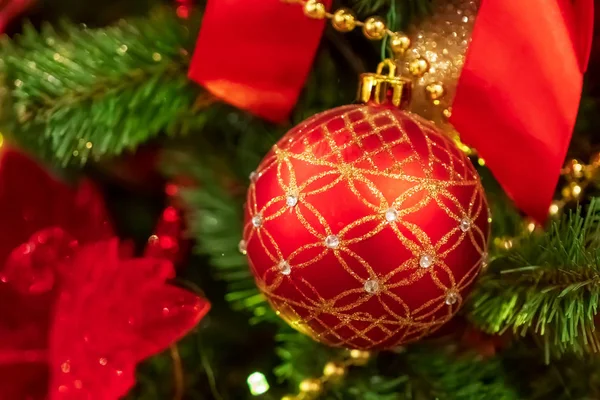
(519, 91)
(256, 55)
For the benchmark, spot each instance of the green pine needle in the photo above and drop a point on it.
(549, 287)
(215, 208)
(85, 93)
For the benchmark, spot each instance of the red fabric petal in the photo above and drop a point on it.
(31, 200)
(33, 266)
(167, 242)
(112, 313)
(23, 381)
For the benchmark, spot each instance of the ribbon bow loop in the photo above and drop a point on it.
(518, 94)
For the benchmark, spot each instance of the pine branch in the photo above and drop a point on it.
(445, 375)
(216, 218)
(301, 357)
(425, 371)
(215, 206)
(95, 92)
(548, 287)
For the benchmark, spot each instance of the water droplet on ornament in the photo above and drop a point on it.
(426, 261)
(465, 224)
(332, 241)
(371, 286)
(391, 215)
(242, 247)
(451, 298)
(291, 200)
(284, 267)
(257, 221)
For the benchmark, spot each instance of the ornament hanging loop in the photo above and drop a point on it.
(391, 66)
(385, 89)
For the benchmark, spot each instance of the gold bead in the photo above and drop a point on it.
(399, 43)
(314, 9)
(572, 191)
(574, 170)
(529, 225)
(343, 20)
(555, 207)
(310, 386)
(359, 357)
(374, 28)
(334, 370)
(435, 90)
(447, 113)
(418, 66)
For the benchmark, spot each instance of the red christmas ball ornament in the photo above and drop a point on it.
(365, 225)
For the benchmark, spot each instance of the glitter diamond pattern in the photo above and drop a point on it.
(352, 164)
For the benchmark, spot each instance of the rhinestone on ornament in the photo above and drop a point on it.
(426, 261)
(284, 267)
(391, 215)
(254, 176)
(257, 221)
(371, 286)
(291, 200)
(465, 224)
(242, 247)
(332, 241)
(451, 298)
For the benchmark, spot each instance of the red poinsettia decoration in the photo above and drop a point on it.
(11, 9)
(76, 316)
(110, 315)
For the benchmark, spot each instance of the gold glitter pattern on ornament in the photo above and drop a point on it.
(354, 149)
(442, 39)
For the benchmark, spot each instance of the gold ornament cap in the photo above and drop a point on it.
(380, 88)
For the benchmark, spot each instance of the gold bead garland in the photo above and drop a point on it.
(344, 20)
(433, 54)
(578, 177)
(333, 372)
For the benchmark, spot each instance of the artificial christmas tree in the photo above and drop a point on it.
(206, 88)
